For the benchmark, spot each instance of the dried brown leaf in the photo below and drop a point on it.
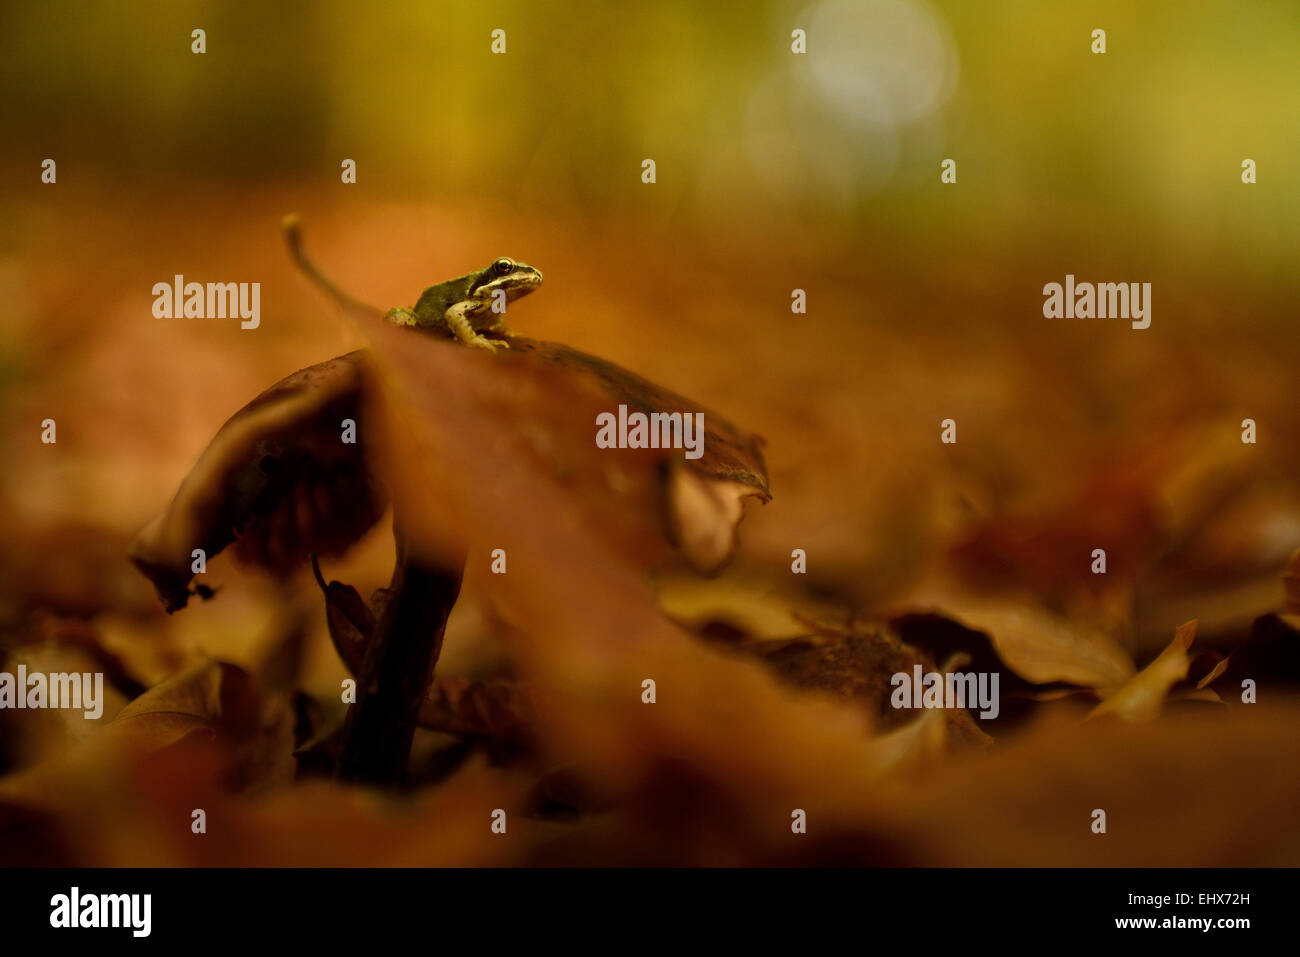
(503, 711)
(1291, 585)
(277, 476)
(1143, 695)
(219, 702)
(1038, 644)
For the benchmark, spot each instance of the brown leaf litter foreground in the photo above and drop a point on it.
(750, 722)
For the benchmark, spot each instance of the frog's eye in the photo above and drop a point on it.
(503, 265)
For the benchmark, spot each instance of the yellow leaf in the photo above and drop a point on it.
(1142, 696)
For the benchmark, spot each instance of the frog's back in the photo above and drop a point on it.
(436, 299)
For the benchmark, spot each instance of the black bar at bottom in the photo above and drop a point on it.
(334, 908)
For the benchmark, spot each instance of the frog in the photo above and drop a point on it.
(461, 308)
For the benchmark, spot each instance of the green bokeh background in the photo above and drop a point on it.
(1138, 148)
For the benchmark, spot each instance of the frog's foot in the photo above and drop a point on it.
(460, 326)
(403, 317)
(491, 345)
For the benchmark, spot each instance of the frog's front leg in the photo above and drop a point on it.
(459, 324)
(501, 329)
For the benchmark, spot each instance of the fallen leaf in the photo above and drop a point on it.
(1143, 695)
(216, 701)
(277, 476)
(1036, 643)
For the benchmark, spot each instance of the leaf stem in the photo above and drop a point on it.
(398, 668)
(292, 227)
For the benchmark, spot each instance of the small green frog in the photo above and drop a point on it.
(463, 307)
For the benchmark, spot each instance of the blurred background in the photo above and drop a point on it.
(774, 171)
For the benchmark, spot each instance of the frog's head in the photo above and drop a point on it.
(514, 278)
